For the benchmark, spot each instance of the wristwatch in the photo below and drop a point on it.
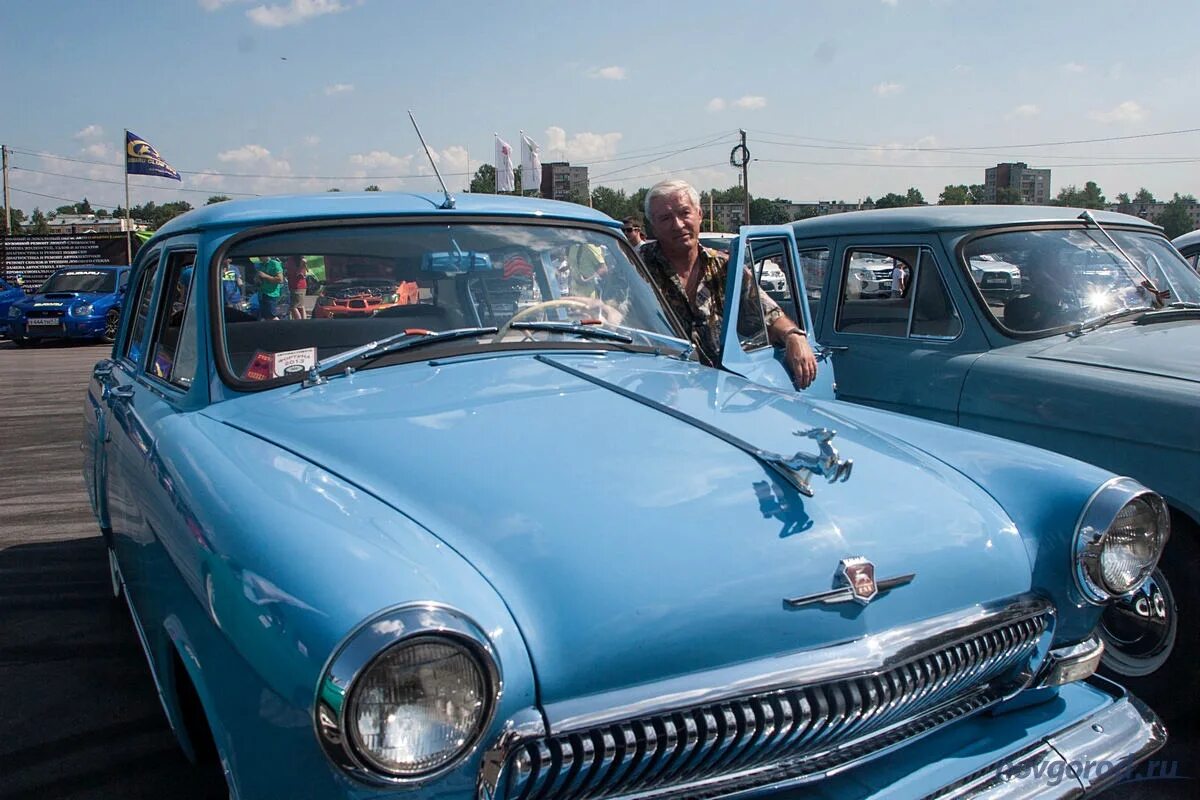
(795, 329)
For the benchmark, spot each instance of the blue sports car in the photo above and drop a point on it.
(502, 542)
(74, 303)
(9, 294)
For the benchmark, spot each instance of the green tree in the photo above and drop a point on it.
(913, 197)
(335, 189)
(102, 213)
(85, 207)
(768, 212)
(891, 200)
(16, 217)
(955, 195)
(372, 188)
(216, 198)
(38, 224)
(484, 180)
(1123, 198)
(1089, 196)
(612, 202)
(1144, 196)
(1008, 196)
(1175, 218)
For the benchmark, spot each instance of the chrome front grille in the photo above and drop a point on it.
(775, 738)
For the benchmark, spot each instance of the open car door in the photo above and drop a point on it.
(764, 267)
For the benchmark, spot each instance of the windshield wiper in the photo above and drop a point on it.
(587, 331)
(405, 340)
(1170, 312)
(1101, 321)
(684, 347)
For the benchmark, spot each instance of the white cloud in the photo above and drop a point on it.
(90, 132)
(962, 69)
(312, 141)
(1072, 66)
(1129, 111)
(338, 88)
(892, 3)
(884, 89)
(380, 161)
(257, 157)
(293, 13)
(1024, 110)
(100, 151)
(452, 160)
(751, 101)
(608, 73)
(213, 5)
(580, 147)
(716, 104)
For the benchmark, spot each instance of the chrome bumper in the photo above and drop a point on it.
(1085, 758)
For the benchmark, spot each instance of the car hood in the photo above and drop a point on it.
(59, 299)
(1170, 349)
(632, 546)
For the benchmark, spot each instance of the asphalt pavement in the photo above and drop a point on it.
(79, 718)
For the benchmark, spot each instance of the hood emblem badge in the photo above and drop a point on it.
(854, 582)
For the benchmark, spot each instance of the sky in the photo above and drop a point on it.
(840, 100)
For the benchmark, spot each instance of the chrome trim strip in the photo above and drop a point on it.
(1097, 517)
(1110, 742)
(844, 594)
(367, 642)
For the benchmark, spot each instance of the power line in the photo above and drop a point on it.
(1156, 134)
(700, 146)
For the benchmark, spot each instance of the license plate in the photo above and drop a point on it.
(42, 322)
(995, 282)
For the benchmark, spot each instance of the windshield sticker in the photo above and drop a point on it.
(259, 368)
(85, 272)
(290, 362)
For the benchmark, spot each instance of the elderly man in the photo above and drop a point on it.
(693, 280)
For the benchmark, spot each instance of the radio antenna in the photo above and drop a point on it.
(449, 201)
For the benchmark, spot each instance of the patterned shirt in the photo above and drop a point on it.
(703, 317)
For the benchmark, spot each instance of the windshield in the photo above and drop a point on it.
(382, 280)
(1045, 280)
(81, 280)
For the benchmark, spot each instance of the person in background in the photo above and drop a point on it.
(692, 279)
(296, 271)
(272, 288)
(633, 228)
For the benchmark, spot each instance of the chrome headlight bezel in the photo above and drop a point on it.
(362, 648)
(1092, 530)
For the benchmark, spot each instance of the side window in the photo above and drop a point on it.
(752, 327)
(814, 266)
(140, 299)
(876, 291)
(174, 343)
(933, 311)
(896, 291)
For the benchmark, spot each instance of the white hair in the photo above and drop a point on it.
(670, 189)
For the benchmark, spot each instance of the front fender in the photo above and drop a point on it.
(1042, 492)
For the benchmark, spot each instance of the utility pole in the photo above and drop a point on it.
(745, 176)
(7, 204)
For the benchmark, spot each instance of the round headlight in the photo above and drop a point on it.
(1120, 537)
(417, 706)
(82, 310)
(408, 695)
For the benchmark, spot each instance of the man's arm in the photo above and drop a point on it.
(801, 362)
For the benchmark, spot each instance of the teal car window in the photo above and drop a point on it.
(876, 292)
(1045, 280)
(423, 279)
(814, 266)
(142, 298)
(933, 312)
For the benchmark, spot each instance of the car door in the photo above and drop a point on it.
(893, 324)
(758, 259)
(147, 387)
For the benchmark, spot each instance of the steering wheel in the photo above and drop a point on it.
(569, 301)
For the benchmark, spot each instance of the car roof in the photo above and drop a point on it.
(340, 205)
(929, 219)
(1186, 240)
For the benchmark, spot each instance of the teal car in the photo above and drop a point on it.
(1073, 331)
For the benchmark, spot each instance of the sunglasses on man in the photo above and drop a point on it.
(632, 229)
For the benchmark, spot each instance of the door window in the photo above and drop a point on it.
(814, 266)
(878, 295)
(174, 343)
(142, 296)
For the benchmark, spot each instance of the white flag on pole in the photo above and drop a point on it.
(531, 164)
(506, 181)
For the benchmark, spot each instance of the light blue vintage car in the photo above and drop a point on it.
(1069, 330)
(503, 543)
